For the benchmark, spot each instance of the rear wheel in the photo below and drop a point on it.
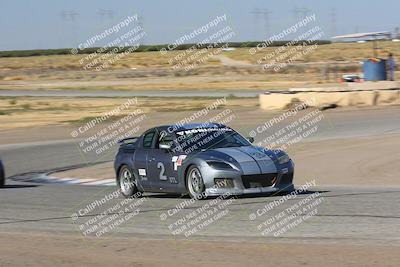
(127, 182)
(195, 183)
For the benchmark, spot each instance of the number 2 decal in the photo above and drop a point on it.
(163, 177)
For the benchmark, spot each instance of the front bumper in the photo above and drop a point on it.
(282, 183)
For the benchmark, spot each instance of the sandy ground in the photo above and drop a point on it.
(58, 250)
(352, 161)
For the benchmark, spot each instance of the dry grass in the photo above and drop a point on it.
(73, 62)
(151, 70)
(330, 52)
(353, 52)
(19, 112)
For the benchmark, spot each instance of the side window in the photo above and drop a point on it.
(166, 139)
(148, 139)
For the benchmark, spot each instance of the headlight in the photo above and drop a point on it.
(283, 159)
(219, 165)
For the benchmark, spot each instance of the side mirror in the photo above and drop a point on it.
(250, 139)
(165, 146)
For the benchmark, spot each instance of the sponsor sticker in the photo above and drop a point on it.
(178, 161)
(142, 172)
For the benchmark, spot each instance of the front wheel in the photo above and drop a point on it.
(127, 182)
(195, 183)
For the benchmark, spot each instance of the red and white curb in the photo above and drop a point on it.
(45, 179)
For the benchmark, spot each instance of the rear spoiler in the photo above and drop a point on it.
(129, 140)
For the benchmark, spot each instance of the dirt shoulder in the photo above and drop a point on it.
(24, 112)
(59, 250)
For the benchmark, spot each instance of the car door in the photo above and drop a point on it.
(162, 171)
(141, 158)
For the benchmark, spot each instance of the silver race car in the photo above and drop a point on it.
(199, 159)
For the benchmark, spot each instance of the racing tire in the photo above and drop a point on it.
(195, 183)
(127, 182)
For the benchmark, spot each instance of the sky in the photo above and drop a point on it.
(44, 24)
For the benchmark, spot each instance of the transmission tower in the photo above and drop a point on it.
(141, 25)
(397, 33)
(333, 22)
(69, 16)
(265, 15)
(106, 14)
(300, 13)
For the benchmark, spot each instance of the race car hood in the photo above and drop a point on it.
(250, 159)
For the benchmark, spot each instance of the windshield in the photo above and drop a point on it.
(209, 138)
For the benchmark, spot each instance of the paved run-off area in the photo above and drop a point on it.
(353, 159)
(38, 226)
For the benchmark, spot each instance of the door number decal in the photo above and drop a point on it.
(160, 166)
(163, 177)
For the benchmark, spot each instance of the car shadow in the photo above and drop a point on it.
(275, 194)
(164, 195)
(255, 195)
(16, 186)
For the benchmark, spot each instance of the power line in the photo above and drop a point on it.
(106, 14)
(69, 15)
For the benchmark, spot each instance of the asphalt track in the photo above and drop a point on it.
(354, 215)
(346, 214)
(22, 157)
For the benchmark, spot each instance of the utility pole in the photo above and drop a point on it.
(69, 16)
(256, 15)
(333, 21)
(141, 25)
(397, 33)
(265, 15)
(300, 13)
